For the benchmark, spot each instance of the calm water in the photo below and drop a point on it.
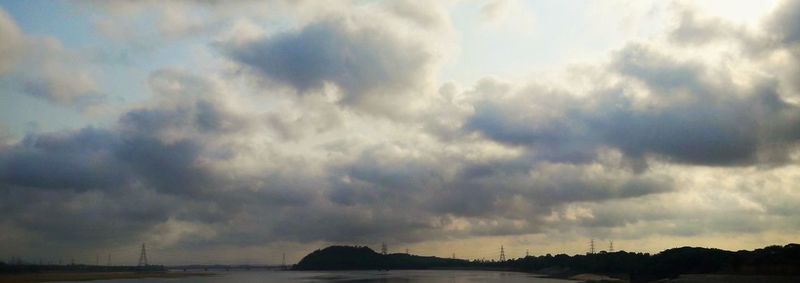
(450, 276)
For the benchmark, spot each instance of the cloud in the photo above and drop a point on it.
(372, 66)
(78, 161)
(695, 29)
(508, 15)
(43, 68)
(10, 47)
(180, 20)
(686, 112)
(636, 147)
(426, 16)
(784, 23)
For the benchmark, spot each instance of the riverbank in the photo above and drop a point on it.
(90, 276)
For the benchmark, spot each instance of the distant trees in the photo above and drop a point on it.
(642, 267)
(351, 258)
(637, 267)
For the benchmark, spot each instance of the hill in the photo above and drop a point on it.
(643, 267)
(353, 258)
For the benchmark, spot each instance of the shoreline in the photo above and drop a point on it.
(92, 276)
(574, 277)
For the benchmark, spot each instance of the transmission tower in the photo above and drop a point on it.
(383, 248)
(591, 246)
(143, 256)
(611, 247)
(97, 259)
(502, 254)
(407, 251)
(108, 263)
(283, 265)
(527, 254)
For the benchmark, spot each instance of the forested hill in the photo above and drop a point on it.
(636, 267)
(351, 258)
(642, 267)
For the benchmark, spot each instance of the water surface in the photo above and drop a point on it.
(436, 276)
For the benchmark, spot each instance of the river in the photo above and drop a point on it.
(435, 276)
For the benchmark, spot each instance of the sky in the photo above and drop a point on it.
(236, 131)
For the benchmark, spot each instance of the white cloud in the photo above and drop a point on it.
(43, 68)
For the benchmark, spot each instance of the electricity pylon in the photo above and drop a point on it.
(143, 256)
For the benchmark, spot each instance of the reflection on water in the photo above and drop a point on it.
(436, 276)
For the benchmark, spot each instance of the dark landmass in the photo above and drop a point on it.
(351, 258)
(634, 267)
(643, 267)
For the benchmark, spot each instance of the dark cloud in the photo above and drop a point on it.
(77, 161)
(784, 24)
(362, 60)
(520, 189)
(172, 168)
(544, 185)
(87, 219)
(91, 187)
(692, 115)
(783, 28)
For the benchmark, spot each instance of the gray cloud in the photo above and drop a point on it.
(366, 62)
(694, 29)
(62, 87)
(785, 22)
(79, 161)
(694, 116)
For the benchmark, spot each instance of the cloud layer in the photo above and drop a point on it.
(338, 130)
